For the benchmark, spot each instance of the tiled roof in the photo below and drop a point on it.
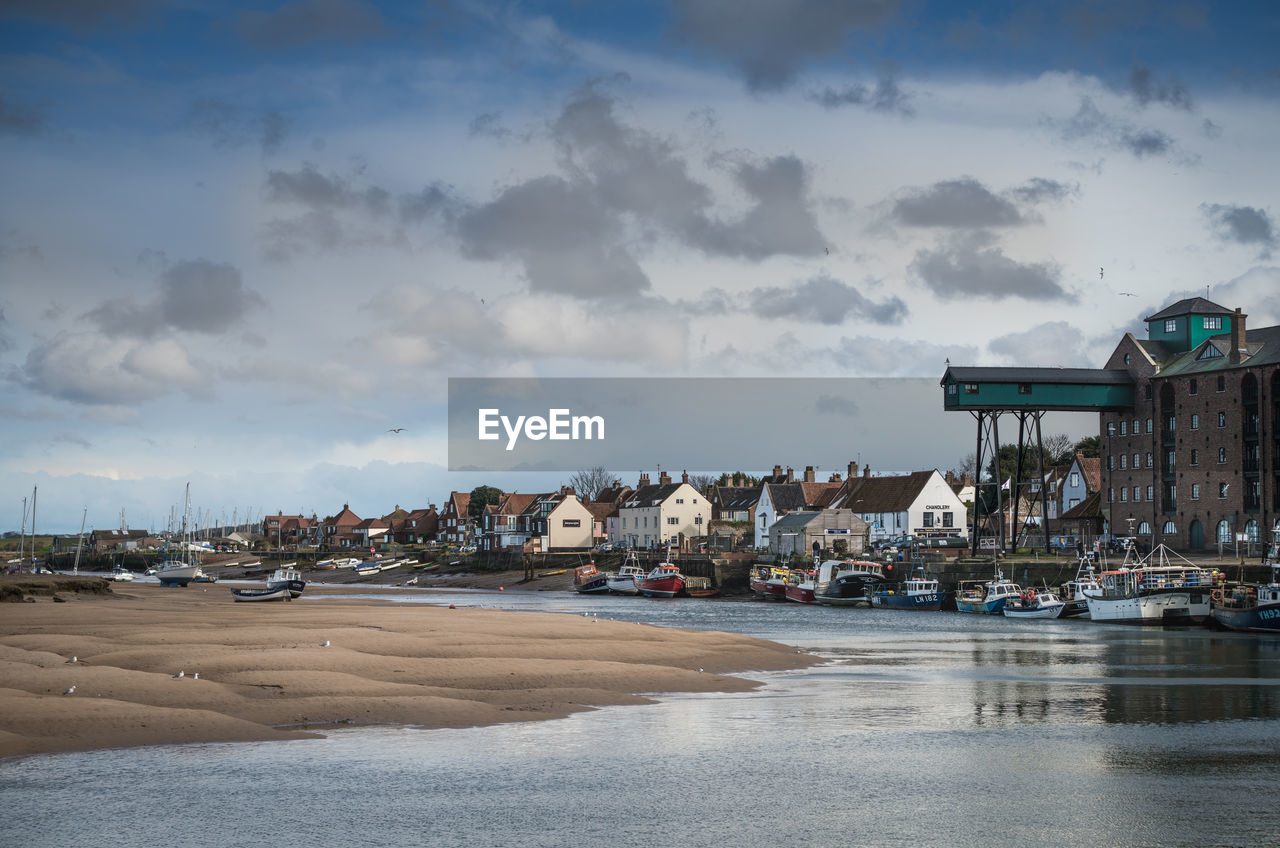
(1190, 306)
(647, 495)
(1090, 507)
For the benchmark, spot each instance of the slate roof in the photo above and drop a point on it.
(737, 497)
(647, 495)
(1092, 376)
(885, 494)
(1090, 507)
(1263, 345)
(1190, 306)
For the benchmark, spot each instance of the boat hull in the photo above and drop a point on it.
(178, 575)
(592, 586)
(802, 594)
(994, 607)
(926, 602)
(1050, 611)
(665, 587)
(1260, 619)
(278, 594)
(1175, 606)
(623, 585)
(295, 587)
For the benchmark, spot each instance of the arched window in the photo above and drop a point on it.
(1224, 531)
(1169, 528)
(1144, 529)
(1251, 530)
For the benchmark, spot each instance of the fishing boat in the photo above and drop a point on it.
(1035, 604)
(1159, 590)
(366, 569)
(588, 579)
(1249, 608)
(845, 582)
(278, 594)
(289, 578)
(800, 586)
(1073, 591)
(986, 598)
(916, 593)
(664, 581)
(624, 581)
(122, 575)
(181, 571)
(770, 582)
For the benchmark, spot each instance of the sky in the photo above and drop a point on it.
(240, 243)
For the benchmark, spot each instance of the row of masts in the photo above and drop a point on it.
(202, 527)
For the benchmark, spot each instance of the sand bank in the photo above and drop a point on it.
(264, 675)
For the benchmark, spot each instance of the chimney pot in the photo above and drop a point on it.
(684, 476)
(809, 474)
(791, 474)
(1238, 343)
(866, 471)
(777, 470)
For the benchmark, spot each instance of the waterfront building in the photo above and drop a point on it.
(831, 529)
(1196, 460)
(666, 512)
(921, 503)
(456, 524)
(339, 530)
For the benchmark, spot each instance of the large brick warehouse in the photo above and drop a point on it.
(1197, 459)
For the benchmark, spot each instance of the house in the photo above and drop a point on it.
(733, 514)
(921, 503)
(338, 531)
(104, 541)
(502, 525)
(600, 514)
(836, 530)
(456, 525)
(1082, 478)
(290, 529)
(370, 533)
(566, 525)
(416, 527)
(778, 499)
(663, 513)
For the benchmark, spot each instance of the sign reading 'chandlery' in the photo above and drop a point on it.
(565, 424)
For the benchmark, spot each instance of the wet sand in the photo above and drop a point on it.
(264, 675)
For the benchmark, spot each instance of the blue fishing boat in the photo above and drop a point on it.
(1251, 609)
(987, 598)
(917, 593)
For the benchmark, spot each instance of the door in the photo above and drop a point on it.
(1197, 535)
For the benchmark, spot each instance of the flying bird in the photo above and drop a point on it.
(1099, 273)
(1127, 294)
(69, 691)
(396, 430)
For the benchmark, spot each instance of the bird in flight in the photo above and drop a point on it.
(1099, 273)
(1127, 294)
(396, 430)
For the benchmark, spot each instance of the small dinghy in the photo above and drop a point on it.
(280, 593)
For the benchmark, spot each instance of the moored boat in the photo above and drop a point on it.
(366, 569)
(916, 593)
(1034, 604)
(847, 582)
(664, 581)
(800, 586)
(769, 582)
(1072, 592)
(699, 587)
(1251, 609)
(624, 581)
(987, 598)
(588, 579)
(289, 578)
(1157, 591)
(279, 594)
(122, 575)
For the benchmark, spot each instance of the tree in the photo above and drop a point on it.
(482, 496)
(590, 482)
(1060, 448)
(1090, 446)
(739, 479)
(702, 482)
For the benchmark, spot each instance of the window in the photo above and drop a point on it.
(1150, 425)
(928, 519)
(1224, 531)
(1137, 494)
(1222, 419)
(1075, 479)
(1171, 325)
(1150, 493)
(1124, 428)
(1213, 323)
(948, 519)
(697, 519)
(971, 388)
(1251, 530)
(1169, 528)
(1111, 495)
(1137, 460)
(1124, 495)
(1024, 388)
(951, 389)
(1195, 491)
(1192, 390)
(1124, 461)
(1222, 489)
(1210, 352)
(1222, 383)
(695, 501)
(1195, 457)
(1111, 428)
(1136, 429)
(673, 520)
(1126, 359)
(679, 500)
(1222, 455)
(1149, 460)
(1195, 422)
(1111, 463)
(1144, 529)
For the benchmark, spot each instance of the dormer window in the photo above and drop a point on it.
(1213, 323)
(1210, 352)
(1171, 325)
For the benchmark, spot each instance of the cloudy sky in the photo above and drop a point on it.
(239, 242)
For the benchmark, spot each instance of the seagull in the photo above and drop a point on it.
(195, 676)
(325, 643)
(828, 250)
(396, 430)
(180, 674)
(73, 659)
(1127, 294)
(69, 691)
(1099, 273)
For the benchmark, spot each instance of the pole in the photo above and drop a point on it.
(80, 541)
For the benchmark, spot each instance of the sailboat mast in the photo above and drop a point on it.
(34, 490)
(80, 541)
(22, 537)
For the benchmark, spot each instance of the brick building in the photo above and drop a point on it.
(1197, 459)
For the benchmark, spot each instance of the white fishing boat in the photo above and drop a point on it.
(624, 582)
(1034, 604)
(1073, 591)
(1158, 590)
(287, 577)
(122, 575)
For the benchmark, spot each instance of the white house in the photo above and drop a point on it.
(568, 526)
(655, 515)
(779, 499)
(921, 503)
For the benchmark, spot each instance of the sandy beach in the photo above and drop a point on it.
(263, 672)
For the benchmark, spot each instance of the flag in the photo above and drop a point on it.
(1005, 484)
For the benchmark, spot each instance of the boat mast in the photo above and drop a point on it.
(80, 541)
(22, 536)
(34, 490)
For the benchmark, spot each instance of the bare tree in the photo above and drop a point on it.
(1059, 448)
(590, 482)
(702, 482)
(968, 465)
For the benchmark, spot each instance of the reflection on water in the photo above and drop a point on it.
(921, 729)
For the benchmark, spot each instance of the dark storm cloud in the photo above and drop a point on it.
(824, 300)
(200, 296)
(886, 96)
(1146, 89)
(770, 40)
(20, 118)
(964, 202)
(635, 172)
(307, 21)
(1242, 225)
(1091, 123)
(567, 241)
(972, 266)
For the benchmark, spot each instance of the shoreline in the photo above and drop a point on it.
(265, 674)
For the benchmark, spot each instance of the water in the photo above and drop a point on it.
(921, 729)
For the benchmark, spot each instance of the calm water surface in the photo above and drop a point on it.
(920, 729)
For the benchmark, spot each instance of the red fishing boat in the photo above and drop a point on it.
(800, 586)
(664, 581)
(769, 582)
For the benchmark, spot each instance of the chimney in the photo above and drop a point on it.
(791, 474)
(853, 469)
(950, 477)
(808, 474)
(777, 471)
(866, 471)
(1238, 349)
(684, 476)
(834, 478)
(644, 480)
(664, 479)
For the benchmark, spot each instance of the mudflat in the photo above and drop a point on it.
(156, 665)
